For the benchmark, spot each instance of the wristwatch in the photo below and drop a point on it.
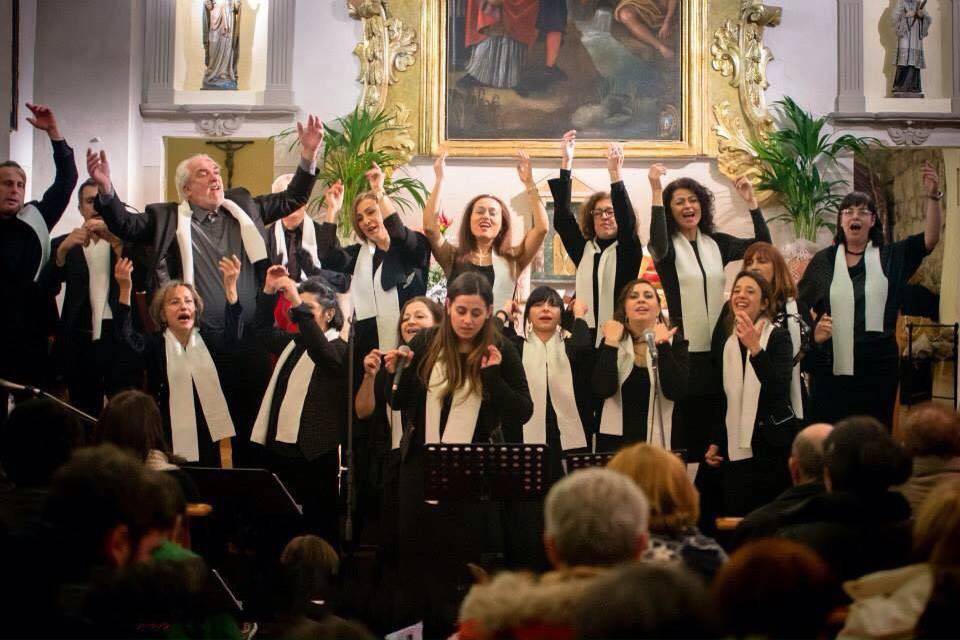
(938, 196)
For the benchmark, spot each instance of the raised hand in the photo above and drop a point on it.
(333, 198)
(745, 188)
(491, 358)
(272, 280)
(311, 137)
(931, 179)
(612, 332)
(567, 147)
(392, 357)
(614, 160)
(288, 288)
(579, 308)
(375, 178)
(230, 269)
(748, 333)
(44, 120)
(823, 330)
(122, 273)
(99, 170)
(371, 363)
(524, 169)
(655, 176)
(662, 333)
(440, 163)
(512, 309)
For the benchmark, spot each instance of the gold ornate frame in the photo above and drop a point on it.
(724, 75)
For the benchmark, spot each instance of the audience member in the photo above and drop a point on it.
(773, 589)
(888, 604)
(859, 525)
(132, 421)
(931, 434)
(640, 600)
(595, 519)
(674, 509)
(806, 474)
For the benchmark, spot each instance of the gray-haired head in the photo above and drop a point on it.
(595, 517)
(182, 174)
(806, 454)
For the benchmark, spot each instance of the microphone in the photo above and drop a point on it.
(402, 352)
(651, 344)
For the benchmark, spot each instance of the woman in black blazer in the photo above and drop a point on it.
(755, 358)
(464, 384)
(622, 375)
(301, 418)
(603, 243)
(181, 362)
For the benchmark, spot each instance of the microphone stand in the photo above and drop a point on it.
(348, 469)
(657, 405)
(37, 392)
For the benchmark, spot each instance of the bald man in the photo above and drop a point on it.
(806, 473)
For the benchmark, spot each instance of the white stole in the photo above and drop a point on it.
(253, 244)
(548, 368)
(34, 219)
(371, 301)
(464, 409)
(742, 388)
(611, 420)
(395, 418)
(308, 240)
(793, 326)
(699, 315)
(97, 255)
(842, 305)
(186, 369)
(504, 282)
(291, 407)
(606, 280)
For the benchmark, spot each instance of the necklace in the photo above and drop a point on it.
(855, 253)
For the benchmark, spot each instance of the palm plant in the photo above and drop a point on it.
(349, 150)
(795, 160)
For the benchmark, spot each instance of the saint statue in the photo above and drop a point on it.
(221, 43)
(911, 23)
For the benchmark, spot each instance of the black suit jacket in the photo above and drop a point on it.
(75, 317)
(157, 226)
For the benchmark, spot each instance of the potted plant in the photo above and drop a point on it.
(795, 161)
(350, 148)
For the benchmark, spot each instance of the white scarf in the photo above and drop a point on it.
(308, 240)
(742, 388)
(371, 301)
(606, 280)
(548, 367)
(464, 409)
(504, 283)
(699, 315)
(793, 326)
(186, 369)
(395, 418)
(253, 244)
(291, 407)
(34, 219)
(97, 255)
(611, 420)
(842, 305)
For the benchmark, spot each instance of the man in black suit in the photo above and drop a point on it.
(93, 362)
(806, 473)
(188, 239)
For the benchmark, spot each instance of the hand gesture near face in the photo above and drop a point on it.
(748, 333)
(612, 332)
(371, 363)
(491, 358)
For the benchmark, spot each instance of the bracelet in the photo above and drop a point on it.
(938, 196)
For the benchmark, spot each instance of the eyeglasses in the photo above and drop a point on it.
(860, 211)
(606, 212)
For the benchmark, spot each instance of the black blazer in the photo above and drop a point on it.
(506, 400)
(774, 369)
(339, 281)
(158, 224)
(629, 249)
(325, 406)
(75, 316)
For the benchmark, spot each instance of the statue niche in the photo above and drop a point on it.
(221, 43)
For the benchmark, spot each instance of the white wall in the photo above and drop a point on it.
(21, 140)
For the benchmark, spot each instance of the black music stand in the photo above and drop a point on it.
(575, 461)
(251, 491)
(484, 472)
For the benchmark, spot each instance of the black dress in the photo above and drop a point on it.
(436, 541)
(152, 350)
(699, 410)
(635, 392)
(872, 389)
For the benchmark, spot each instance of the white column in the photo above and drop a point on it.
(280, 26)
(955, 31)
(159, 43)
(850, 96)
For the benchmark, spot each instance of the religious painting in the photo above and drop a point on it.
(532, 69)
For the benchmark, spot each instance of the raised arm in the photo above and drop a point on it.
(606, 378)
(622, 208)
(57, 196)
(333, 256)
(533, 239)
(123, 324)
(564, 220)
(365, 402)
(442, 250)
(659, 244)
(732, 248)
(130, 227)
(233, 311)
(274, 206)
(409, 242)
(931, 185)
